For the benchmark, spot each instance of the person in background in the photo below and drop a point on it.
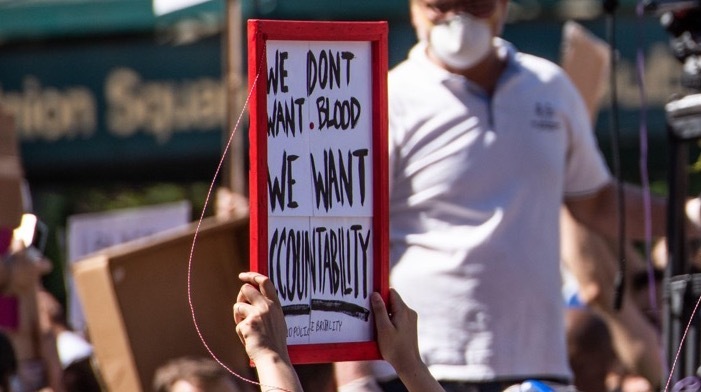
(590, 262)
(8, 365)
(74, 352)
(38, 366)
(589, 349)
(190, 374)
(486, 145)
(634, 328)
(260, 324)
(229, 204)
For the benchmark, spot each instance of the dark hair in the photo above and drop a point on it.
(641, 279)
(8, 362)
(201, 372)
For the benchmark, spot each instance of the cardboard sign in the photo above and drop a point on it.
(11, 176)
(135, 297)
(91, 232)
(318, 179)
(586, 59)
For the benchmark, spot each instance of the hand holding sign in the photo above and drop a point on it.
(397, 337)
(260, 323)
(261, 327)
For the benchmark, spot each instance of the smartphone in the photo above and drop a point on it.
(32, 232)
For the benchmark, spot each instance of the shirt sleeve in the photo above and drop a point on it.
(586, 170)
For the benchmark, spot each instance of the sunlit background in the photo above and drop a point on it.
(122, 103)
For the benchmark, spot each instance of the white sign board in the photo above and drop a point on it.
(89, 233)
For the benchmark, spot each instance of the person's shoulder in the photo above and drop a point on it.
(405, 71)
(540, 66)
(415, 69)
(524, 61)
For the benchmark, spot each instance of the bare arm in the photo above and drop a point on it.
(592, 260)
(599, 211)
(261, 327)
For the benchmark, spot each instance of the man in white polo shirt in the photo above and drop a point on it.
(486, 144)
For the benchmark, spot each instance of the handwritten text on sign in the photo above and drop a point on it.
(319, 111)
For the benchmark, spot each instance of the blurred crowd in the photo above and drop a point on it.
(609, 349)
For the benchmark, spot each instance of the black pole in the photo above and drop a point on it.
(610, 7)
(682, 282)
(676, 283)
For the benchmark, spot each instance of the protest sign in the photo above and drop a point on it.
(91, 232)
(318, 179)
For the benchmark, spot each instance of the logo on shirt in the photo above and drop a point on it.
(545, 119)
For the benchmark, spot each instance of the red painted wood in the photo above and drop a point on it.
(260, 31)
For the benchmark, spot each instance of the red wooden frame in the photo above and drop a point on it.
(259, 31)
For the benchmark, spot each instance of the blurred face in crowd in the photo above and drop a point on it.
(222, 385)
(193, 375)
(459, 33)
(426, 13)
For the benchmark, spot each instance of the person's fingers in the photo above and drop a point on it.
(249, 277)
(246, 293)
(267, 288)
(240, 333)
(263, 285)
(399, 309)
(382, 321)
(397, 304)
(238, 313)
(241, 311)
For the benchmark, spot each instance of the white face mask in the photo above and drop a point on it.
(461, 42)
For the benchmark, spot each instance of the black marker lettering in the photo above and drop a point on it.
(365, 245)
(329, 188)
(273, 250)
(325, 68)
(278, 73)
(361, 154)
(343, 115)
(286, 117)
(290, 181)
(356, 233)
(276, 193)
(312, 68)
(340, 263)
(348, 56)
(292, 263)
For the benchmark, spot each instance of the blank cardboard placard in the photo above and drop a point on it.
(318, 179)
(135, 297)
(586, 60)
